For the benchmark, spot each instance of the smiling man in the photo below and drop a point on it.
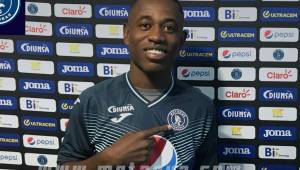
(144, 118)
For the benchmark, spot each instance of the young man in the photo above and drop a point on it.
(145, 116)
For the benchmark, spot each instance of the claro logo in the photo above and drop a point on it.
(278, 74)
(236, 93)
(38, 28)
(73, 10)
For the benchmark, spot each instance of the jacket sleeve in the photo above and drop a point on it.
(76, 145)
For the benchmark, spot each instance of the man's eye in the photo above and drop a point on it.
(170, 28)
(144, 26)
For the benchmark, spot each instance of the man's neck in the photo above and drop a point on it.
(157, 80)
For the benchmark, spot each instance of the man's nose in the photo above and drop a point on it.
(156, 35)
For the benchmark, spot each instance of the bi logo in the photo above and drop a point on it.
(8, 10)
(164, 156)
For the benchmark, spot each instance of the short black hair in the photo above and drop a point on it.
(133, 2)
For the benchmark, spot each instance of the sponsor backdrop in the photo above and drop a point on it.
(241, 53)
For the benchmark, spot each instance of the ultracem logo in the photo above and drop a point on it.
(279, 14)
(237, 34)
(8, 10)
(66, 105)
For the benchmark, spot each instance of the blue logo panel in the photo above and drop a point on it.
(199, 13)
(65, 106)
(237, 34)
(197, 53)
(278, 94)
(36, 86)
(12, 17)
(279, 14)
(7, 65)
(240, 113)
(75, 69)
(112, 11)
(238, 0)
(34, 47)
(9, 140)
(8, 103)
(73, 30)
(277, 133)
(112, 51)
(237, 151)
(39, 123)
(276, 167)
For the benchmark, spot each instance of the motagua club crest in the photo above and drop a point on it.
(178, 119)
(8, 10)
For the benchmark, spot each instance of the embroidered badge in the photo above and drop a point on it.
(178, 119)
(8, 10)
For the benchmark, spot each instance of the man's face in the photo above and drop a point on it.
(154, 34)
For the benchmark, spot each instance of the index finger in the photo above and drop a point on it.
(155, 130)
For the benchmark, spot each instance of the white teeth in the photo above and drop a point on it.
(154, 51)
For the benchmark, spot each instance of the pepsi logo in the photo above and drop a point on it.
(185, 73)
(163, 156)
(31, 141)
(226, 54)
(268, 34)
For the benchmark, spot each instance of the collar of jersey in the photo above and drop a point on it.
(142, 98)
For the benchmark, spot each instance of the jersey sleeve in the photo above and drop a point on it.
(76, 145)
(207, 152)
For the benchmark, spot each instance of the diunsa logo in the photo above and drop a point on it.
(120, 109)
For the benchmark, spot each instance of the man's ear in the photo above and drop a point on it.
(126, 34)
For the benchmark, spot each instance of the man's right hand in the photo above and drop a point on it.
(134, 146)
